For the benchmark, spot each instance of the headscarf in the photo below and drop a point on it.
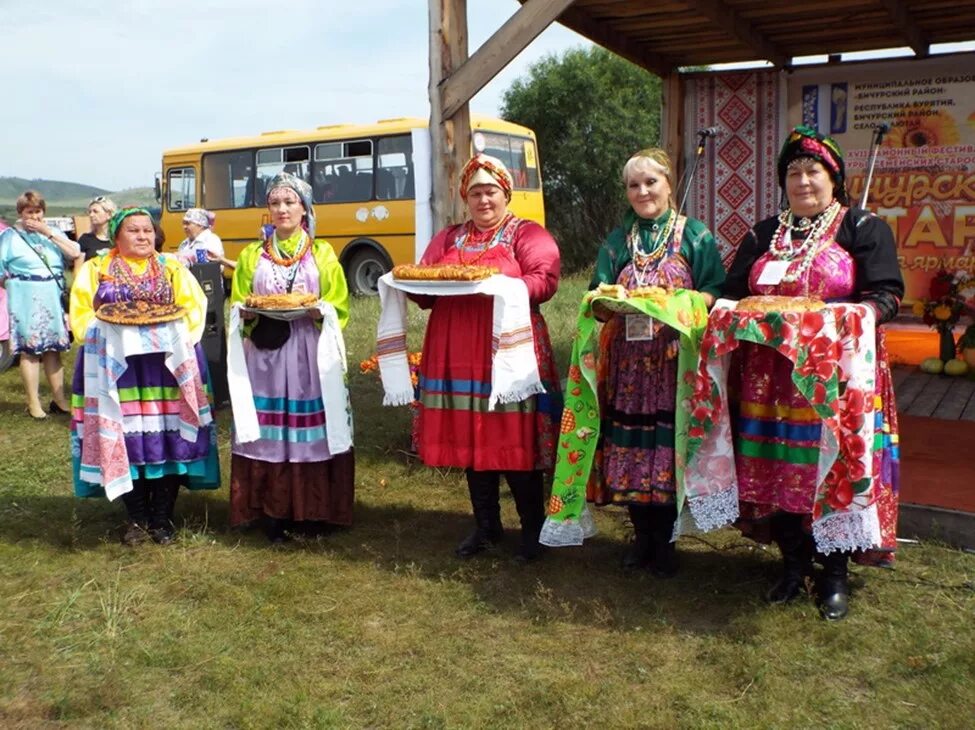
(807, 142)
(120, 215)
(200, 216)
(486, 170)
(302, 190)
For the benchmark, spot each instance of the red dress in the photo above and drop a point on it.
(454, 426)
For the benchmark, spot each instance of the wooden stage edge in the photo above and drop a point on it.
(937, 480)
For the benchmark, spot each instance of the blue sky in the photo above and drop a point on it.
(97, 90)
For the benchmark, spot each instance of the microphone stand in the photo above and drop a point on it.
(702, 136)
(875, 139)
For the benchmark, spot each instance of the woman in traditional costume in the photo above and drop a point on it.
(816, 247)
(288, 473)
(141, 420)
(32, 263)
(454, 426)
(637, 368)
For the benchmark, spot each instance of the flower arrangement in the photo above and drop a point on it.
(371, 364)
(949, 297)
(946, 302)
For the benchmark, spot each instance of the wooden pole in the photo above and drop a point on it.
(450, 137)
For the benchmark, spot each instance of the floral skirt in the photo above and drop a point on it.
(637, 391)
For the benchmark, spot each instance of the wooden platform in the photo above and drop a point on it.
(937, 451)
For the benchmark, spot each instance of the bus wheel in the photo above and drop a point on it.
(365, 268)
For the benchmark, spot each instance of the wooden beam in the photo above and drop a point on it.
(907, 27)
(671, 129)
(726, 19)
(450, 136)
(498, 51)
(598, 32)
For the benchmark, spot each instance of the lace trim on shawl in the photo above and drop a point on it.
(848, 531)
(715, 510)
(568, 532)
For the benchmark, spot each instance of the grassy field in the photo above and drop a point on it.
(380, 626)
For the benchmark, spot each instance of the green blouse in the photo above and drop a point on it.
(697, 246)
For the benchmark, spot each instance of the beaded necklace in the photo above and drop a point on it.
(785, 248)
(646, 263)
(149, 286)
(274, 252)
(285, 268)
(475, 239)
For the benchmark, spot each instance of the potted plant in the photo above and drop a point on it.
(943, 308)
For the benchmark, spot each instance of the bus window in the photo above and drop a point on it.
(512, 152)
(524, 160)
(343, 172)
(271, 162)
(394, 173)
(181, 188)
(228, 180)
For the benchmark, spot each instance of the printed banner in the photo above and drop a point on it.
(923, 181)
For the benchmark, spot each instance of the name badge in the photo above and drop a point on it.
(639, 327)
(773, 272)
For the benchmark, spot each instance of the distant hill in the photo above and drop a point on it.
(54, 191)
(67, 198)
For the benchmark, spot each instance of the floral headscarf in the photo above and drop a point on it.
(486, 170)
(807, 142)
(302, 190)
(116, 222)
(199, 216)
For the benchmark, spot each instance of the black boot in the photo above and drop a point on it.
(274, 528)
(528, 489)
(483, 487)
(662, 519)
(163, 493)
(796, 547)
(834, 588)
(137, 509)
(640, 554)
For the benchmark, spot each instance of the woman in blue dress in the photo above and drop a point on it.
(32, 263)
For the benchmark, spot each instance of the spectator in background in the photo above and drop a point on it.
(200, 239)
(32, 261)
(100, 211)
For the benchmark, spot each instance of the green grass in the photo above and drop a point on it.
(380, 626)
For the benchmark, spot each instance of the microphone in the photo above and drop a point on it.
(883, 127)
(708, 132)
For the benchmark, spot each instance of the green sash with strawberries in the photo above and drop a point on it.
(686, 312)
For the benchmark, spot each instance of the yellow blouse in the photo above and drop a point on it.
(186, 289)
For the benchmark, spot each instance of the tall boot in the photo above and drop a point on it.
(137, 510)
(483, 487)
(640, 554)
(662, 519)
(528, 489)
(796, 548)
(834, 589)
(163, 493)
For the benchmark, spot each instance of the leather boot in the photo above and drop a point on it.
(483, 487)
(640, 554)
(137, 510)
(162, 502)
(275, 529)
(662, 519)
(528, 489)
(834, 589)
(796, 548)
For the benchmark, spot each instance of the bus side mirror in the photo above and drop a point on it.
(158, 187)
